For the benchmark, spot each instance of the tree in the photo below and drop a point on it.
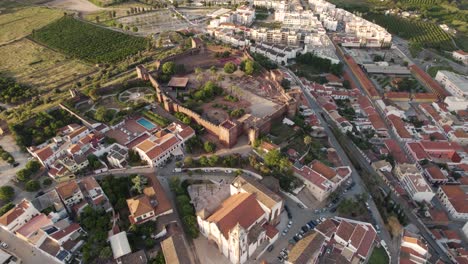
(213, 160)
(23, 175)
(6, 193)
(127, 27)
(272, 158)
(47, 182)
(249, 67)
(105, 253)
(103, 115)
(168, 68)
(32, 186)
(188, 161)
(7, 207)
(159, 259)
(230, 67)
(139, 183)
(97, 19)
(307, 140)
(94, 162)
(134, 29)
(209, 147)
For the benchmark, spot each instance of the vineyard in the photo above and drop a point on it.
(422, 33)
(418, 3)
(88, 42)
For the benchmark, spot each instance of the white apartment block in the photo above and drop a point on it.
(456, 103)
(455, 84)
(413, 182)
(454, 197)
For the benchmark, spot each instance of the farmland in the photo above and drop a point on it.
(103, 45)
(421, 33)
(19, 22)
(37, 66)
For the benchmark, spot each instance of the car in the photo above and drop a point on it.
(280, 258)
(4, 245)
(322, 219)
(228, 171)
(317, 211)
(305, 228)
(15, 164)
(300, 206)
(333, 210)
(299, 235)
(283, 254)
(292, 241)
(289, 215)
(296, 238)
(270, 248)
(290, 222)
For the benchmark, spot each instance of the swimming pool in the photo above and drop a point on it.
(145, 123)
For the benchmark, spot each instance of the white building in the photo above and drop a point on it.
(241, 223)
(461, 56)
(454, 198)
(455, 84)
(70, 193)
(456, 103)
(18, 216)
(163, 144)
(414, 183)
(322, 180)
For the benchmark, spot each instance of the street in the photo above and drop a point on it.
(25, 251)
(385, 235)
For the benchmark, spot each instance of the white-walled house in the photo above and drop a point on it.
(15, 218)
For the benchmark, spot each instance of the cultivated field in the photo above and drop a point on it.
(20, 22)
(38, 66)
(88, 42)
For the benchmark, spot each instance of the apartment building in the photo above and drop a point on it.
(454, 83)
(454, 198)
(413, 182)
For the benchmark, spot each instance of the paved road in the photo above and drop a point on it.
(403, 203)
(25, 251)
(342, 154)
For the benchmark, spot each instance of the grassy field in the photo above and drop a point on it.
(88, 42)
(378, 256)
(19, 22)
(38, 66)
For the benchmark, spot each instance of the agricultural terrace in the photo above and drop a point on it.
(19, 22)
(38, 66)
(419, 33)
(103, 45)
(153, 22)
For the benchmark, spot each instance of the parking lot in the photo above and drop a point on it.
(154, 22)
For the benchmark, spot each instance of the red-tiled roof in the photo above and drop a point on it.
(66, 231)
(428, 81)
(396, 151)
(44, 153)
(399, 126)
(323, 169)
(435, 173)
(345, 230)
(14, 213)
(34, 224)
(457, 197)
(241, 208)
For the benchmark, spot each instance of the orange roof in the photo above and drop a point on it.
(435, 173)
(345, 230)
(44, 153)
(323, 169)
(425, 96)
(67, 189)
(14, 213)
(241, 208)
(66, 231)
(269, 146)
(397, 95)
(139, 205)
(34, 224)
(428, 81)
(399, 126)
(77, 132)
(90, 183)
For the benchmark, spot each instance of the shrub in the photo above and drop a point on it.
(32, 186)
(7, 207)
(6, 193)
(209, 147)
(47, 182)
(230, 67)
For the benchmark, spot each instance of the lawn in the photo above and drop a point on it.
(281, 133)
(20, 22)
(88, 42)
(378, 256)
(38, 66)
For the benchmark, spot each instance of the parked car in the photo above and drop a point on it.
(4, 245)
(333, 210)
(322, 219)
(305, 228)
(300, 206)
(296, 238)
(270, 248)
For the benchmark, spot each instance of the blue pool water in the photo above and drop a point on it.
(145, 123)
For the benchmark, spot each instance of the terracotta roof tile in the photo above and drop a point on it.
(241, 208)
(67, 189)
(14, 213)
(323, 169)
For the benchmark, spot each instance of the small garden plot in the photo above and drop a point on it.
(136, 95)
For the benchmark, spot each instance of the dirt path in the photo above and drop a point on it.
(75, 5)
